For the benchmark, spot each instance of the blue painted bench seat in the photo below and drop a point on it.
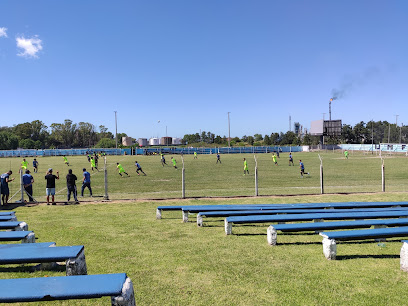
(118, 286)
(13, 225)
(330, 238)
(24, 236)
(7, 213)
(8, 218)
(210, 214)
(287, 206)
(309, 217)
(74, 257)
(27, 245)
(318, 226)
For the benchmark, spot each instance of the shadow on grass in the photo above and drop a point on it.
(30, 268)
(384, 256)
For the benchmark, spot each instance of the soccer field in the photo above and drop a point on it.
(171, 263)
(205, 178)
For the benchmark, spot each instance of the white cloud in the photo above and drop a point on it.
(3, 32)
(29, 46)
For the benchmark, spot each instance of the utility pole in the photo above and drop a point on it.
(229, 131)
(116, 132)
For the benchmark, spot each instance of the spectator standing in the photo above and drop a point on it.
(50, 189)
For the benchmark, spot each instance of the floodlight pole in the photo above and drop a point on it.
(116, 132)
(229, 131)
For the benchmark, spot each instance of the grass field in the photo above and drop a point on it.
(171, 263)
(205, 178)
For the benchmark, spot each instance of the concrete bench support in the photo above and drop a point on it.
(380, 239)
(29, 239)
(329, 248)
(185, 216)
(127, 298)
(199, 220)
(21, 227)
(77, 265)
(404, 257)
(228, 227)
(271, 235)
(158, 214)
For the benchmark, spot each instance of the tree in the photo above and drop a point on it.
(267, 140)
(258, 137)
(106, 143)
(250, 140)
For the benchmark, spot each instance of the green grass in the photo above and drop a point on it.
(204, 178)
(172, 263)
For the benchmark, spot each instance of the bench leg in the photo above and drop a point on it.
(404, 257)
(158, 214)
(77, 266)
(271, 235)
(127, 298)
(21, 227)
(29, 239)
(185, 216)
(329, 248)
(228, 227)
(199, 220)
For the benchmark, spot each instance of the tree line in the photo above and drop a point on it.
(36, 135)
(361, 133)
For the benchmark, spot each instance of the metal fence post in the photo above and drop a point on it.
(256, 177)
(382, 175)
(183, 180)
(321, 176)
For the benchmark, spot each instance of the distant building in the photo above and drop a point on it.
(127, 141)
(176, 141)
(142, 142)
(166, 141)
(154, 141)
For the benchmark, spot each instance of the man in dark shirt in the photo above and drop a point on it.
(50, 190)
(71, 186)
(28, 181)
(5, 179)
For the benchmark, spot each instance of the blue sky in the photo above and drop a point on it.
(188, 63)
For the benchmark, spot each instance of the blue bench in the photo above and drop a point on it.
(13, 225)
(7, 213)
(319, 226)
(27, 245)
(200, 215)
(330, 238)
(310, 217)
(8, 218)
(284, 206)
(118, 286)
(24, 236)
(74, 257)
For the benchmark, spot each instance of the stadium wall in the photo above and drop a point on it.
(232, 150)
(60, 152)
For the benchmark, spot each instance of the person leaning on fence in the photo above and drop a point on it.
(50, 189)
(302, 168)
(86, 182)
(5, 191)
(71, 186)
(121, 170)
(28, 181)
